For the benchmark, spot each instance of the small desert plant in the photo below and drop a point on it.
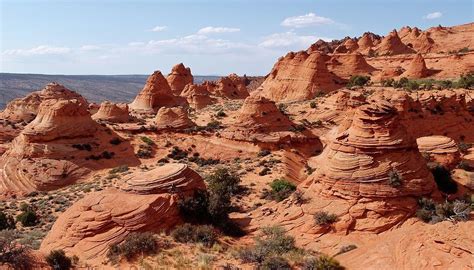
(147, 140)
(188, 233)
(12, 253)
(394, 178)
(119, 169)
(275, 263)
(463, 147)
(115, 141)
(299, 197)
(263, 153)
(133, 245)
(313, 105)
(281, 189)
(221, 113)
(324, 218)
(177, 153)
(58, 260)
(323, 262)
(6, 222)
(358, 80)
(28, 216)
(431, 212)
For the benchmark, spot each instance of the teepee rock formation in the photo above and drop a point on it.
(392, 45)
(417, 68)
(155, 94)
(147, 203)
(367, 41)
(299, 76)
(346, 65)
(173, 118)
(197, 96)
(179, 77)
(60, 119)
(113, 113)
(26, 109)
(349, 46)
(231, 87)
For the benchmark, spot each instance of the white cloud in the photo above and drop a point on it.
(159, 28)
(89, 48)
(40, 50)
(217, 30)
(289, 40)
(434, 15)
(309, 19)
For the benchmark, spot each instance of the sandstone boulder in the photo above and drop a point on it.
(179, 77)
(197, 96)
(113, 113)
(231, 87)
(173, 118)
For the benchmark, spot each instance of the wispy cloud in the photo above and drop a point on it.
(40, 50)
(289, 40)
(159, 28)
(217, 30)
(433, 15)
(89, 48)
(307, 20)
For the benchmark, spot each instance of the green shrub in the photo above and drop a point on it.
(119, 169)
(313, 105)
(263, 153)
(133, 245)
(115, 141)
(147, 140)
(12, 253)
(58, 260)
(358, 80)
(322, 262)
(28, 216)
(464, 147)
(431, 212)
(6, 222)
(221, 113)
(394, 178)
(388, 82)
(177, 153)
(466, 81)
(272, 241)
(281, 189)
(275, 263)
(188, 233)
(324, 218)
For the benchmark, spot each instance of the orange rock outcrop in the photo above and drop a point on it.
(392, 45)
(197, 96)
(417, 68)
(113, 113)
(172, 118)
(346, 65)
(231, 87)
(179, 77)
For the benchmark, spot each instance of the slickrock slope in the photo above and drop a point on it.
(113, 113)
(148, 203)
(179, 77)
(441, 149)
(337, 106)
(173, 118)
(299, 76)
(417, 68)
(392, 45)
(155, 94)
(444, 245)
(349, 46)
(26, 109)
(346, 65)
(197, 96)
(452, 38)
(231, 87)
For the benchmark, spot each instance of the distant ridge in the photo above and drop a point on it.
(96, 88)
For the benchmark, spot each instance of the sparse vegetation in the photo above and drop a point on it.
(358, 80)
(6, 222)
(115, 141)
(188, 233)
(394, 179)
(280, 189)
(263, 153)
(313, 105)
(12, 253)
(431, 212)
(28, 216)
(324, 218)
(275, 263)
(119, 169)
(221, 113)
(134, 244)
(147, 140)
(58, 260)
(322, 262)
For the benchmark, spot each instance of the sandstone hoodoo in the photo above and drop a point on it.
(156, 94)
(417, 68)
(347, 65)
(367, 42)
(26, 109)
(197, 96)
(231, 87)
(148, 203)
(392, 45)
(299, 76)
(442, 149)
(349, 46)
(172, 118)
(113, 113)
(179, 77)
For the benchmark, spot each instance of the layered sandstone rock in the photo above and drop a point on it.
(179, 77)
(441, 149)
(363, 158)
(148, 203)
(388, 73)
(197, 96)
(346, 65)
(172, 118)
(26, 109)
(164, 179)
(339, 105)
(367, 41)
(156, 94)
(349, 46)
(111, 112)
(299, 76)
(392, 45)
(232, 87)
(417, 68)
(60, 119)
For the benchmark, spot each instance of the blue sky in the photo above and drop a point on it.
(212, 37)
